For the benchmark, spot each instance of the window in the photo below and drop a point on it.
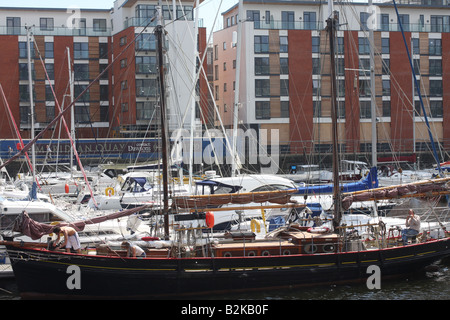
(145, 42)
(416, 64)
(316, 87)
(267, 16)
(224, 45)
(309, 20)
(364, 45)
(404, 20)
(284, 87)
(385, 45)
(435, 67)
(13, 25)
(81, 50)
(384, 22)
(317, 109)
(284, 111)
(283, 44)
(262, 109)
(340, 45)
(386, 108)
(340, 66)
(262, 66)
(341, 109)
(49, 94)
(364, 67)
(23, 71)
(100, 25)
(365, 110)
(316, 66)
(284, 66)
(436, 110)
(253, 15)
(145, 11)
(104, 92)
(435, 47)
(261, 44)
(81, 72)
(315, 44)
(82, 113)
(216, 72)
(436, 88)
(123, 63)
(146, 110)
(262, 87)
(341, 88)
(146, 65)
(46, 24)
(49, 53)
(416, 46)
(50, 67)
(437, 23)
(124, 85)
(49, 113)
(146, 87)
(364, 88)
(79, 26)
(287, 19)
(364, 16)
(386, 87)
(385, 68)
(78, 89)
(123, 41)
(103, 50)
(224, 66)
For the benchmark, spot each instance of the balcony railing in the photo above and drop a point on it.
(57, 31)
(318, 25)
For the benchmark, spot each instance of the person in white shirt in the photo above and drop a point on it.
(412, 226)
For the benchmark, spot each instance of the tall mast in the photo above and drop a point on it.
(373, 108)
(162, 101)
(72, 112)
(331, 28)
(30, 88)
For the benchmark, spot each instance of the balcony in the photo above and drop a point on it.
(57, 31)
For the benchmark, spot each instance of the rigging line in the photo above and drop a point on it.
(40, 134)
(418, 89)
(67, 129)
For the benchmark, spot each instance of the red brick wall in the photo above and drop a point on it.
(300, 95)
(401, 109)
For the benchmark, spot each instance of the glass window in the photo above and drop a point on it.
(316, 66)
(365, 110)
(262, 87)
(309, 20)
(364, 45)
(284, 44)
(46, 24)
(146, 65)
(261, 66)
(435, 47)
(146, 87)
(146, 110)
(435, 67)
(100, 25)
(49, 54)
(436, 110)
(284, 109)
(146, 42)
(262, 109)
(13, 25)
(364, 88)
(284, 66)
(385, 45)
(386, 87)
(436, 88)
(284, 87)
(81, 71)
(287, 19)
(81, 50)
(261, 44)
(315, 44)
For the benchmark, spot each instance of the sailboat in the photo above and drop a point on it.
(288, 257)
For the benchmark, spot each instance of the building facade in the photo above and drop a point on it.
(285, 75)
(123, 102)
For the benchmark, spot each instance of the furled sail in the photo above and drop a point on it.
(35, 230)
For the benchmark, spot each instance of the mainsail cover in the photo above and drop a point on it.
(35, 230)
(204, 201)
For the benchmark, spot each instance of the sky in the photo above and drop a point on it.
(208, 9)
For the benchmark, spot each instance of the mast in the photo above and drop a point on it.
(235, 165)
(331, 29)
(162, 100)
(30, 89)
(72, 112)
(373, 105)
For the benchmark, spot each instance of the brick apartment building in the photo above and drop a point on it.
(123, 102)
(285, 73)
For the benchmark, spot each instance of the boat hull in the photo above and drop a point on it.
(45, 274)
